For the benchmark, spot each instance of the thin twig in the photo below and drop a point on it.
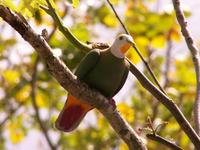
(195, 57)
(168, 103)
(165, 75)
(13, 111)
(34, 87)
(150, 127)
(163, 141)
(155, 137)
(68, 81)
(167, 63)
(67, 33)
(117, 16)
(149, 69)
(137, 50)
(37, 115)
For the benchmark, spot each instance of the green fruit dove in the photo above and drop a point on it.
(103, 70)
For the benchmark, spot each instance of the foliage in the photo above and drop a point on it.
(152, 31)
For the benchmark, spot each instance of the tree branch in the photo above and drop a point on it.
(154, 136)
(167, 63)
(163, 141)
(69, 81)
(165, 74)
(137, 50)
(169, 104)
(37, 115)
(117, 16)
(195, 57)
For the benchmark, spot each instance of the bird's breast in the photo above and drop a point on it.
(106, 76)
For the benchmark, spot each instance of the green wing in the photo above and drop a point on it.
(87, 63)
(123, 80)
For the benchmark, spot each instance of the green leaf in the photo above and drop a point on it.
(80, 31)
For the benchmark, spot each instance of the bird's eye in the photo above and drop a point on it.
(121, 38)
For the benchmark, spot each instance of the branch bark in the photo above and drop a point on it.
(34, 90)
(154, 136)
(164, 141)
(69, 81)
(195, 57)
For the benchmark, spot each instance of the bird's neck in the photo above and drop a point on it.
(114, 49)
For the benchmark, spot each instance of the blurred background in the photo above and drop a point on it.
(28, 111)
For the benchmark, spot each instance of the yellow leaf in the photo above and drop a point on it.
(114, 2)
(175, 35)
(184, 140)
(133, 56)
(172, 127)
(23, 94)
(75, 3)
(9, 3)
(16, 136)
(11, 76)
(110, 20)
(101, 122)
(158, 42)
(16, 133)
(126, 111)
(142, 41)
(41, 99)
(123, 146)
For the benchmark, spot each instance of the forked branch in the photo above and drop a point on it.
(195, 57)
(68, 81)
(161, 97)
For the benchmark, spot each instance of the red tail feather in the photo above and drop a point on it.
(72, 114)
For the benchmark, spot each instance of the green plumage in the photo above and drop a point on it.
(103, 71)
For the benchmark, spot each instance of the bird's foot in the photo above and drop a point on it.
(113, 103)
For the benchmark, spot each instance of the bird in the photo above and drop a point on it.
(103, 70)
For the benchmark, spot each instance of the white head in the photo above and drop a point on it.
(121, 45)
